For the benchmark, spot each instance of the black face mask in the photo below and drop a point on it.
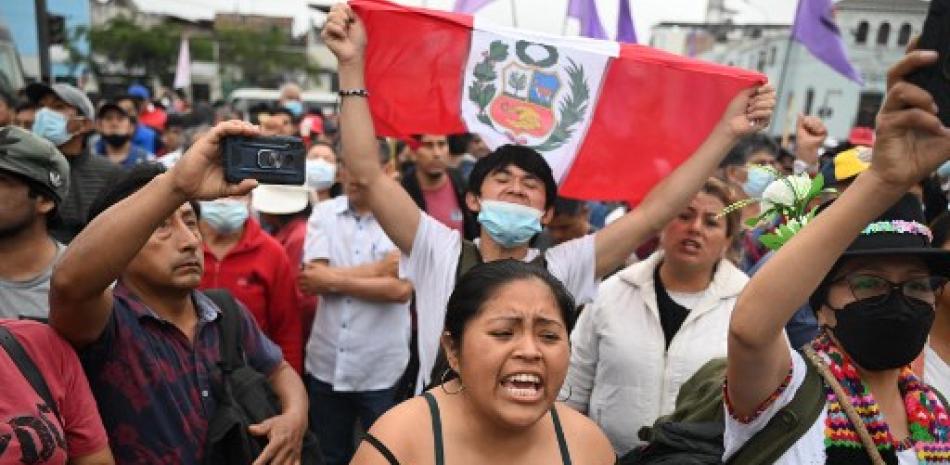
(884, 334)
(116, 140)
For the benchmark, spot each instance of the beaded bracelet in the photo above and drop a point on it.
(354, 93)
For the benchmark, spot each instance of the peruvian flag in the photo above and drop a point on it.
(611, 119)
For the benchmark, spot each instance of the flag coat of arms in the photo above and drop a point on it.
(611, 119)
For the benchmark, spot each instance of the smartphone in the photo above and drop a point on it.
(936, 78)
(268, 159)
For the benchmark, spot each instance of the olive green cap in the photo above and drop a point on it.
(36, 159)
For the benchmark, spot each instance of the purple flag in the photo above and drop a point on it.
(815, 28)
(586, 12)
(469, 6)
(625, 29)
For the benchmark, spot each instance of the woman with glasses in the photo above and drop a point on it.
(870, 271)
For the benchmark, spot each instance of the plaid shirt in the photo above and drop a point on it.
(154, 386)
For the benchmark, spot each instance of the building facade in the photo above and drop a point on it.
(875, 32)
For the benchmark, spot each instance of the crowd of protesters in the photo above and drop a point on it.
(431, 300)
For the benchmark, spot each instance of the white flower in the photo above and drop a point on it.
(786, 191)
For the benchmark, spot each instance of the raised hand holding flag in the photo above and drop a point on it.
(607, 117)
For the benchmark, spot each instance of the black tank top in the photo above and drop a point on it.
(437, 432)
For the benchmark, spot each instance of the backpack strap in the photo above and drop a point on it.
(788, 425)
(469, 257)
(232, 354)
(540, 260)
(29, 370)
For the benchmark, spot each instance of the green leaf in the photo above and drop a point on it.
(485, 72)
(519, 81)
(474, 93)
(767, 216)
(781, 231)
(752, 222)
(485, 120)
(498, 51)
(817, 183)
(771, 241)
(571, 109)
(488, 93)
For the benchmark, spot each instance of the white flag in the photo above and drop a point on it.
(183, 71)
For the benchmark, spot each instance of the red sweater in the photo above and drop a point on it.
(259, 274)
(292, 237)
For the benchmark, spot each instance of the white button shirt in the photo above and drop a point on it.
(355, 345)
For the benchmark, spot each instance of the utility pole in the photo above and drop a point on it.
(42, 40)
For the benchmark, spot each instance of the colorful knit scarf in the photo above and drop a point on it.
(928, 421)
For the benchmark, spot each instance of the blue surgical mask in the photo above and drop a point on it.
(224, 215)
(51, 125)
(757, 180)
(295, 107)
(944, 170)
(509, 224)
(320, 174)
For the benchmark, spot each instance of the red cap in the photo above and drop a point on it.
(861, 136)
(413, 143)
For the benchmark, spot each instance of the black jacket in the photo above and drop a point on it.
(89, 174)
(411, 184)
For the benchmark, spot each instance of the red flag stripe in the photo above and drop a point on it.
(654, 111)
(415, 64)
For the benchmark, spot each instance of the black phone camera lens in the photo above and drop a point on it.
(267, 158)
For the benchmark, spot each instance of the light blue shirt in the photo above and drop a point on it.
(355, 345)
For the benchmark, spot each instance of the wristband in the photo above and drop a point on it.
(354, 93)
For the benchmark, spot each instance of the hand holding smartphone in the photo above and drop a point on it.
(268, 159)
(936, 78)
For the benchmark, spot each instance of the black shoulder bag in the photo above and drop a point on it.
(244, 398)
(28, 368)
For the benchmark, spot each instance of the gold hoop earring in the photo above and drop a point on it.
(442, 381)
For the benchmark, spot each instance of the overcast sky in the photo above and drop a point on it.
(548, 15)
(541, 15)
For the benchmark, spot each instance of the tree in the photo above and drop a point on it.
(151, 50)
(262, 56)
(257, 57)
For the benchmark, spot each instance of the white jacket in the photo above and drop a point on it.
(621, 374)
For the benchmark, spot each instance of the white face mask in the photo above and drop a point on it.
(320, 174)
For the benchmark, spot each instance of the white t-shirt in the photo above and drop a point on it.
(432, 265)
(810, 448)
(936, 371)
